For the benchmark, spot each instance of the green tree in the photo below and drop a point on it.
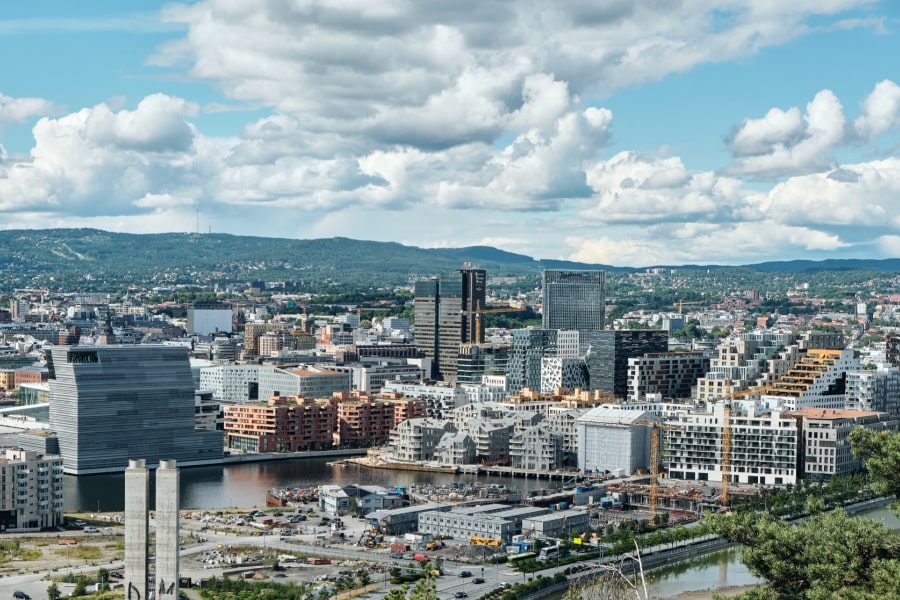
(103, 579)
(80, 586)
(53, 592)
(425, 588)
(364, 579)
(880, 450)
(832, 555)
(397, 593)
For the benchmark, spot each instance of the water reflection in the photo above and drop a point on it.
(245, 485)
(716, 570)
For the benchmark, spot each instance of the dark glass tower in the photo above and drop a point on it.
(446, 316)
(609, 351)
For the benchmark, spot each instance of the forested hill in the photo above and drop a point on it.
(86, 259)
(90, 259)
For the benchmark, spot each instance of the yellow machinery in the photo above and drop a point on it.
(478, 312)
(483, 541)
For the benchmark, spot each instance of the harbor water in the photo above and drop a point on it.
(245, 485)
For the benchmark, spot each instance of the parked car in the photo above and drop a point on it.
(21, 595)
(91, 529)
(79, 523)
(116, 575)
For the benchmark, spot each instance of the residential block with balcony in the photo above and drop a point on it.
(31, 495)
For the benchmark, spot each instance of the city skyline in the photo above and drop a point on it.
(724, 132)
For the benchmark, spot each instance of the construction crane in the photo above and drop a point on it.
(478, 312)
(726, 442)
(654, 459)
(726, 453)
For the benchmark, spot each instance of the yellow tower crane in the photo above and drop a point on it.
(478, 312)
(656, 429)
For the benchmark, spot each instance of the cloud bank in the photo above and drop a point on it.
(464, 124)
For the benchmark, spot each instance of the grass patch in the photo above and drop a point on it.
(81, 552)
(31, 554)
(117, 545)
(41, 542)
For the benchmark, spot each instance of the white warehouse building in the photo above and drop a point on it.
(614, 439)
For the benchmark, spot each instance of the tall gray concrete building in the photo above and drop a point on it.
(137, 551)
(167, 492)
(110, 403)
(574, 300)
(137, 511)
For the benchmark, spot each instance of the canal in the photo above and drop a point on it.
(723, 569)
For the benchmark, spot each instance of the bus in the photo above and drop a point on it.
(515, 559)
(548, 553)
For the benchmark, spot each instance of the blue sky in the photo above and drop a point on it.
(623, 132)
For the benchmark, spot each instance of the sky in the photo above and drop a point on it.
(628, 133)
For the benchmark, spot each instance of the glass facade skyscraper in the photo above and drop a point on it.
(609, 351)
(574, 300)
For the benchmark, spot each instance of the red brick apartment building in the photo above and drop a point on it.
(295, 423)
(283, 424)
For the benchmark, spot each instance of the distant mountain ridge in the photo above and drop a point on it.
(71, 258)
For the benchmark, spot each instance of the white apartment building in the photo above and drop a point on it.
(875, 390)
(231, 384)
(536, 448)
(824, 433)
(455, 449)
(415, 440)
(31, 494)
(312, 382)
(485, 392)
(816, 380)
(764, 446)
(744, 360)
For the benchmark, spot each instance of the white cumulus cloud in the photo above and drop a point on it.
(881, 111)
(780, 145)
(16, 110)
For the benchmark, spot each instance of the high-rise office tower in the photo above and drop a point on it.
(529, 347)
(446, 316)
(574, 300)
(109, 403)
